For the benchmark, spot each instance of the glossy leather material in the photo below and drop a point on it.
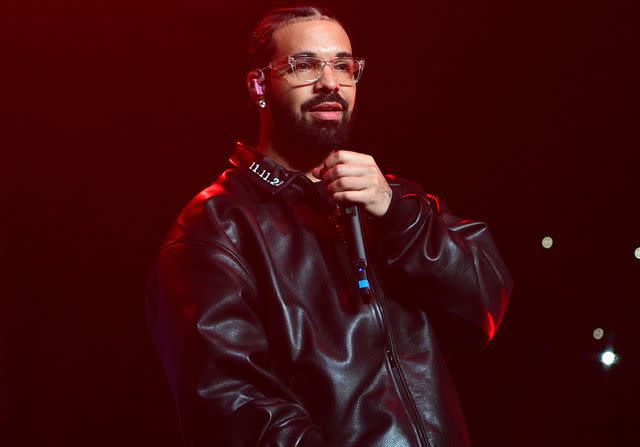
(254, 308)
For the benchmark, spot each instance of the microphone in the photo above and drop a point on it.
(352, 221)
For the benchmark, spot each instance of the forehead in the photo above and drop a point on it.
(325, 38)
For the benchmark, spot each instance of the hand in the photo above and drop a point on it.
(355, 177)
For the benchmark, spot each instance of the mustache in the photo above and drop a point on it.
(321, 98)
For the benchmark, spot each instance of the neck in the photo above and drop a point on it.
(267, 147)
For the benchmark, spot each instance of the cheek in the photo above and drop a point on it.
(278, 91)
(295, 102)
(351, 99)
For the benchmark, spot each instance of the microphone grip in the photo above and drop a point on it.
(353, 225)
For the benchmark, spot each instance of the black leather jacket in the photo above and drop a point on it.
(254, 308)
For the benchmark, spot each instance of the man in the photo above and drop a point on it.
(269, 333)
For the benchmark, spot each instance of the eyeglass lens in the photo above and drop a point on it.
(309, 69)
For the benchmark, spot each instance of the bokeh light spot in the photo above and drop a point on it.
(608, 358)
(598, 333)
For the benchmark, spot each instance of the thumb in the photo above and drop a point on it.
(317, 171)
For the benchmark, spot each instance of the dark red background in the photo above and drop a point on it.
(522, 113)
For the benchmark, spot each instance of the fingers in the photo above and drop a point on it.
(348, 184)
(343, 170)
(341, 157)
(354, 177)
(363, 197)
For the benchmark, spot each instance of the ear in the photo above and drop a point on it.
(255, 84)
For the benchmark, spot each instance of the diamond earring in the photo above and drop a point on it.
(262, 103)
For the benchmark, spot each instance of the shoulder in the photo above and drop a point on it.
(208, 216)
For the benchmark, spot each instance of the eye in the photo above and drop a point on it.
(302, 66)
(305, 64)
(345, 65)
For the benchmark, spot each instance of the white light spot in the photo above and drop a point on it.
(608, 358)
(598, 333)
(637, 253)
(547, 242)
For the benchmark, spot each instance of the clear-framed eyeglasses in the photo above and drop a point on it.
(308, 69)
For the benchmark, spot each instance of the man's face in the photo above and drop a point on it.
(310, 118)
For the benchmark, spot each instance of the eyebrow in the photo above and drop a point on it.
(312, 54)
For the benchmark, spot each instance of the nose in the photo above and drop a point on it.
(327, 81)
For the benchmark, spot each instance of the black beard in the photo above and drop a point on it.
(305, 142)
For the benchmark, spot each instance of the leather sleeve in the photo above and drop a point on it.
(445, 264)
(203, 312)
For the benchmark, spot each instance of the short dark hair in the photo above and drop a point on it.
(260, 46)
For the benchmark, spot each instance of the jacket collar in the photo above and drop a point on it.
(262, 170)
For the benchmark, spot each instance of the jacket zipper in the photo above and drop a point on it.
(390, 353)
(395, 367)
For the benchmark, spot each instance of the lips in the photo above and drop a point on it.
(327, 107)
(327, 111)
